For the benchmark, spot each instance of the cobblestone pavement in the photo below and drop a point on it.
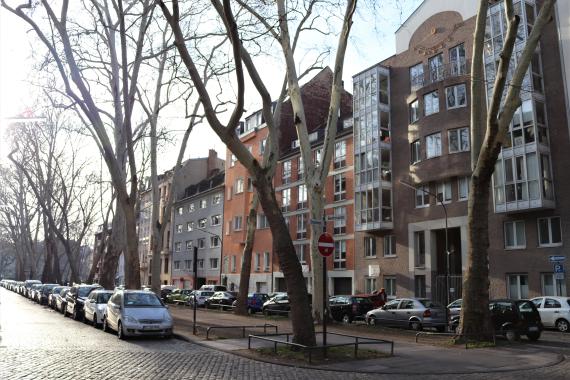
(38, 343)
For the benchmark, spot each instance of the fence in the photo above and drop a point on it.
(243, 328)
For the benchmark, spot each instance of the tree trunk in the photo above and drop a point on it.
(116, 245)
(244, 276)
(132, 263)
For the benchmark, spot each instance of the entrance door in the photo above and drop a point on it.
(342, 286)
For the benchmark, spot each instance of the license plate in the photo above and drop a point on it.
(533, 328)
(150, 327)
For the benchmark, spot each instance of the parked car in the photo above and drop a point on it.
(279, 305)
(60, 300)
(255, 302)
(44, 292)
(96, 305)
(179, 296)
(51, 297)
(28, 287)
(554, 312)
(346, 308)
(35, 292)
(454, 308)
(200, 296)
(136, 312)
(222, 300)
(76, 298)
(214, 288)
(511, 319)
(164, 292)
(415, 313)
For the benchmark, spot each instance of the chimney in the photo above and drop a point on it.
(212, 161)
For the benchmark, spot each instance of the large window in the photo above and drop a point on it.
(462, 188)
(436, 68)
(420, 249)
(457, 60)
(369, 246)
(431, 103)
(301, 226)
(390, 286)
(286, 171)
(340, 154)
(214, 242)
(367, 206)
(414, 111)
(549, 232)
(422, 196)
(370, 285)
(444, 192)
(178, 246)
(417, 76)
(237, 223)
(340, 254)
(216, 220)
(420, 286)
(188, 245)
(217, 199)
(389, 246)
(190, 226)
(202, 243)
(339, 187)
(458, 140)
(202, 223)
(339, 220)
(285, 200)
(415, 148)
(300, 168)
(302, 196)
(238, 188)
(552, 286)
(203, 203)
(178, 228)
(518, 286)
(301, 254)
(213, 263)
(433, 145)
(515, 237)
(456, 96)
(262, 221)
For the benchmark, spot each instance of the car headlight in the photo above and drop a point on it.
(130, 319)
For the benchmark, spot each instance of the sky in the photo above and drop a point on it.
(372, 40)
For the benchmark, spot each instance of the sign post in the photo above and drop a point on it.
(325, 246)
(195, 303)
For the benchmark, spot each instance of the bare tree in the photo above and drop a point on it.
(493, 123)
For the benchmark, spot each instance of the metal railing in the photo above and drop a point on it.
(243, 328)
(308, 350)
(439, 73)
(467, 341)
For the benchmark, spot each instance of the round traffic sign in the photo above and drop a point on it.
(326, 244)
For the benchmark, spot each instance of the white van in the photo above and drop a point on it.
(214, 288)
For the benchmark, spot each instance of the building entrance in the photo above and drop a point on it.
(439, 280)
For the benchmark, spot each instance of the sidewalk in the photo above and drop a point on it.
(409, 357)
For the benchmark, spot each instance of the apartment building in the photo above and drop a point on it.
(411, 116)
(198, 222)
(292, 193)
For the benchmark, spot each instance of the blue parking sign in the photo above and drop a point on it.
(558, 268)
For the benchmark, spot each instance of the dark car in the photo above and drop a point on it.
(511, 319)
(255, 302)
(28, 287)
(279, 305)
(44, 292)
(346, 308)
(76, 298)
(222, 300)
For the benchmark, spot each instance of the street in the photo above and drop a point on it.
(38, 343)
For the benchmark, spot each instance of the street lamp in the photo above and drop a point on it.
(447, 252)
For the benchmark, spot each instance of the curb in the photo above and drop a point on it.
(558, 359)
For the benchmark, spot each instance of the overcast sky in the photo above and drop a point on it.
(372, 40)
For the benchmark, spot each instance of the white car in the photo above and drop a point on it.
(201, 296)
(137, 313)
(554, 312)
(96, 305)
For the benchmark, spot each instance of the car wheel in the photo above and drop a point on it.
(249, 311)
(95, 324)
(534, 336)
(346, 319)
(416, 325)
(372, 321)
(75, 314)
(105, 325)
(511, 335)
(562, 325)
(120, 333)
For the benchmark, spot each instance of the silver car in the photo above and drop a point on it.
(415, 313)
(137, 313)
(96, 305)
(554, 312)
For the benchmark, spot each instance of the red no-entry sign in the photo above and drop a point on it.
(326, 245)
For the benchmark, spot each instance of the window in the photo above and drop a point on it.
(257, 259)
(214, 263)
(339, 254)
(215, 220)
(301, 226)
(518, 286)
(415, 150)
(300, 250)
(463, 188)
(190, 226)
(552, 286)
(515, 235)
(203, 203)
(238, 188)
(302, 196)
(201, 263)
(417, 76)
(180, 210)
(369, 246)
(420, 248)
(178, 228)
(389, 245)
(339, 220)
(191, 207)
(422, 196)
(549, 233)
(266, 260)
(262, 221)
(234, 263)
(214, 242)
(237, 223)
(457, 60)
(217, 199)
(188, 264)
(201, 243)
(285, 200)
(456, 96)
(339, 187)
(233, 161)
(414, 109)
(444, 192)
(431, 103)
(176, 264)
(249, 184)
(458, 140)
(178, 246)
(262, 145)
(390, 286)
(339, 155)
(370, 285)
(202, 223)
(318, 156)
(188, 245)
(301, 168)
(420, 286)
(436, 68)
(433, 145)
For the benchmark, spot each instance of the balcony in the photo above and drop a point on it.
(439, 73)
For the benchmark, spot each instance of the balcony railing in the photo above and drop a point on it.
(439, 73)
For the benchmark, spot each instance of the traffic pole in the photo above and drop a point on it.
(195, 303)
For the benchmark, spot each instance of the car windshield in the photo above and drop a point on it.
(206, 294)
(362, 300)
(84, 292)
(103, 297)
(141, 300)
(430, 303)
(525, 307)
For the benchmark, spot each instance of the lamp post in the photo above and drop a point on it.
(409, 185)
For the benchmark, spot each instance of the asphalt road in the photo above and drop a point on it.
(38, 343)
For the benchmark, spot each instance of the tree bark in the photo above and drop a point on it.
(242, 307)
